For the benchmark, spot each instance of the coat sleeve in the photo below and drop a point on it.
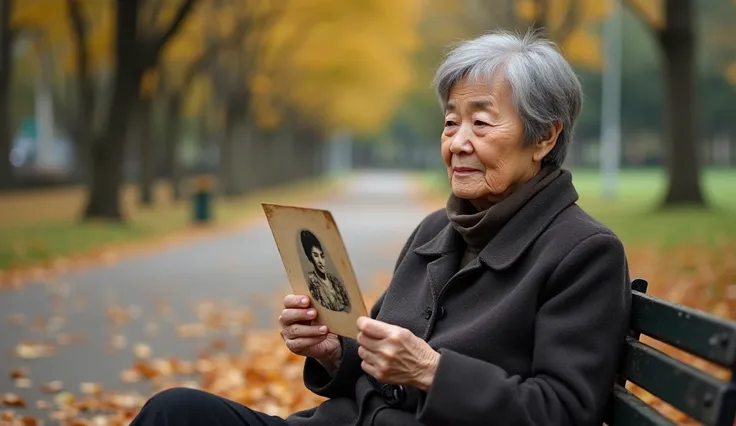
(580, 327)
(341, 383)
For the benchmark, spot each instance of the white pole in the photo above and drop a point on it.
(610, 148)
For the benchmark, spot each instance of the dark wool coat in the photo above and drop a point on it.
(529, 332)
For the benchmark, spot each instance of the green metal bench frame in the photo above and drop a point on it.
(694, 392)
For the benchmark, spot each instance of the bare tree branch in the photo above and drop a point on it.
(152, 48)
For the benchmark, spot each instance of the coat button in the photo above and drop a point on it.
(442, 312)
(394, 395)
(428, 312)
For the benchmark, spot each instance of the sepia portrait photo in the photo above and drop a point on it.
(325, 286)
(317, 265)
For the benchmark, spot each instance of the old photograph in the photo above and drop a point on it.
(317, 265)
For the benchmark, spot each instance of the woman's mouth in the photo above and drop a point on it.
(464, 170)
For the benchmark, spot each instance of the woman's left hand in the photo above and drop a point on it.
(394, 355)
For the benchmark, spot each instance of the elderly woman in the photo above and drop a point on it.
(507, 307)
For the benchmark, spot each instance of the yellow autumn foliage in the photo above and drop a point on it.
(47, 23)
(346, 64)
(197, 95)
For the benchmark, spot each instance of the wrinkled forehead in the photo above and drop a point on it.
(478, 92)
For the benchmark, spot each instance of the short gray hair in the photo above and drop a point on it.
(544, 87)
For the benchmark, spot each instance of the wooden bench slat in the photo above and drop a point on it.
(628, 410)
(686, 388)
(693, 331)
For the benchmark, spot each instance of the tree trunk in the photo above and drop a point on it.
(678, 44)
(109, 148)
(172, 135)
(226, 175)
(146, 151)
(84, 117)
(6, 69)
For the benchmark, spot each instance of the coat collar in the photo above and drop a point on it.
(520, 231)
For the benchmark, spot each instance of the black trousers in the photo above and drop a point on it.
(191, 407)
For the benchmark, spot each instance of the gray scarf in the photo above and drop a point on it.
(479, 227)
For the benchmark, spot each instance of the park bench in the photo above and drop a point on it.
(696, 393)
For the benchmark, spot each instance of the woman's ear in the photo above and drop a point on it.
(545, 145)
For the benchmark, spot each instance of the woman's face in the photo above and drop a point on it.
(482, 142)
(318, 259)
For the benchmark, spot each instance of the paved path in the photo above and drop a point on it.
(375, 215)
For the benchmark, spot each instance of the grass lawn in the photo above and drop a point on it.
(42, 225)
(635, 215)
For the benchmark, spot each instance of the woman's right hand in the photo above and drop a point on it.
(302, 338)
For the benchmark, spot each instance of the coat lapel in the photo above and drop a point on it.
(529, 223)
(447, 249)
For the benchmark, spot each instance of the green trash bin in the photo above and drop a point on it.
(202, 200)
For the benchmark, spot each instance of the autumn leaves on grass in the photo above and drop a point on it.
(695, 275)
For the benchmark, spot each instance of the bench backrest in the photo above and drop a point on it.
(696, 393)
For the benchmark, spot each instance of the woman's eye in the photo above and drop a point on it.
(479, 123)
(449, 123)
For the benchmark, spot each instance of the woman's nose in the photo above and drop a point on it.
(461, 142)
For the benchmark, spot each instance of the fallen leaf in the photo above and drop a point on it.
(7, 415)
(142, 350)
(18, 373)
(22, 382)
(90, 388)
(130, 376)
(30, 421)
(52, 387)
(13, 400)
(31, 350)
(64, 399)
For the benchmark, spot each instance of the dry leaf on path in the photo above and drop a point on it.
(142, 351)
(13, 400)
(52, 387)
(22, 382)
(19, 373)
(90, 388)
(31, 350)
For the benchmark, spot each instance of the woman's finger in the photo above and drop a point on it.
(368, 342)
(295, 331)
(374, 328)
(296, 301)
(367, 355)
(370, 369)
(290, 316)
(302, 343)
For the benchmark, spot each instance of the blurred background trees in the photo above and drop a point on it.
(104, 92)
